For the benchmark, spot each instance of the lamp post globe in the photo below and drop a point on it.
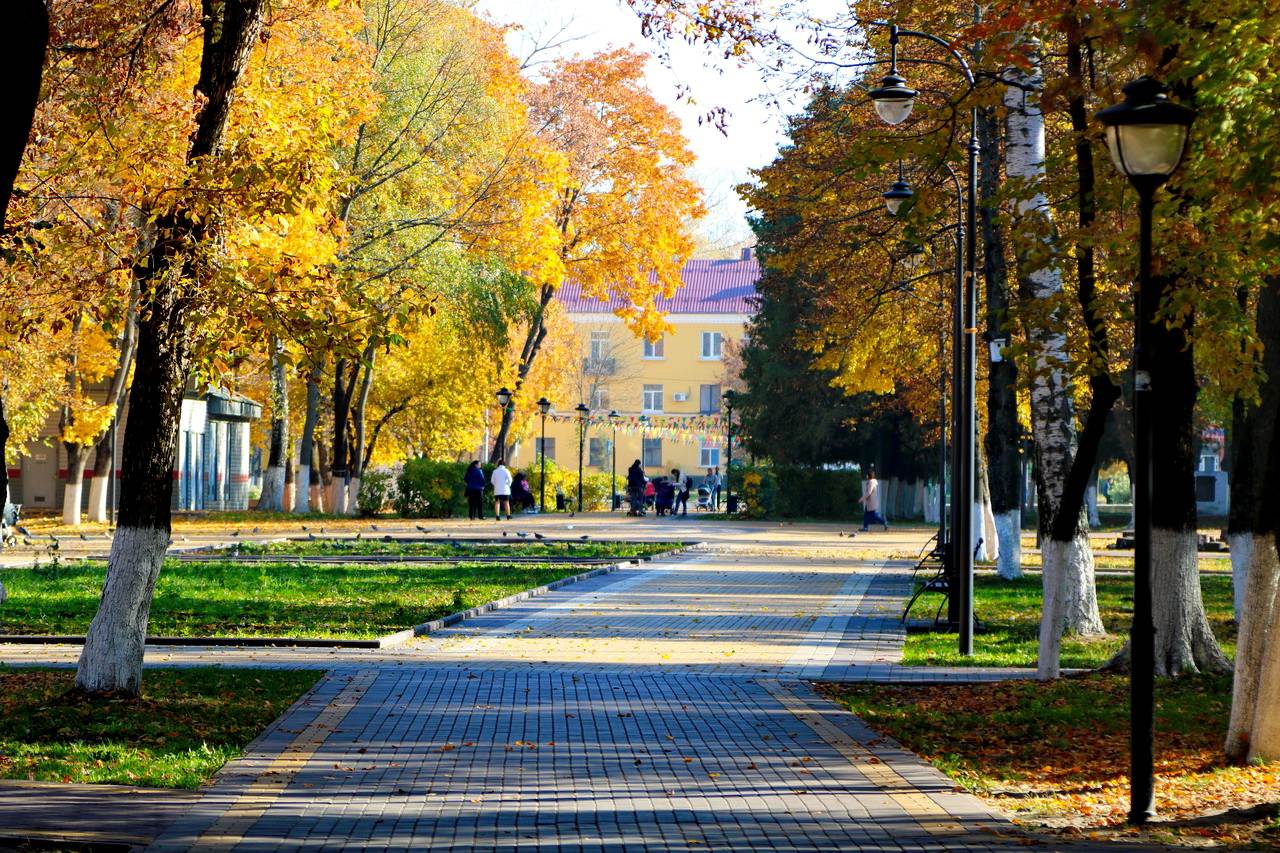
(893, 98)
(544, 406)
(1147, 137)
(504, 397)
(1147, 133)
(583, 412)
(897, 196)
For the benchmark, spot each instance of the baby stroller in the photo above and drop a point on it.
(704, 499)
(665, 497)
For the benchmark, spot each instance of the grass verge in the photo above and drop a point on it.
(1056, 753)
(229, 599)
(462, 550)
(1010, 612)
(186, 725)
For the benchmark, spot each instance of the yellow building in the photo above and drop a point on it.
(667, 393)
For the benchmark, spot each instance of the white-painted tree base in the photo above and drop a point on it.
(272, 499)
(1009, 536)
(302, 494)
(96, 513)
(1241, 546)
(1081, 615)
(353, 494)
(111, 661)
(338, 497)
(71, 496)
(1184, 641)
(1263, 571)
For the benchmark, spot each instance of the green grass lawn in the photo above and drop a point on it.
(1010, 611)
(516, 548)
(187, 724)
(228, 599)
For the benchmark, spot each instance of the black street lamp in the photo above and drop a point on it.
(544, 406)
(505, 398)
(583, 412)
(613, 466)
(893, 102)
(1147, 136)
(729, 397)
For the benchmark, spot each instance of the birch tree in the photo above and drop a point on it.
(1070, 599)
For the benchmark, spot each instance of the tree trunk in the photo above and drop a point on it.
(358, 419)
(104, 462)
(26, 35)
(534, 336)
(306, 449)
(274, 482)
(1004, 433)
(4, 475)
(1067, 564)
(1184, 640)
(111, 660)
(1254, 528)
(73, 494)
(344, 379)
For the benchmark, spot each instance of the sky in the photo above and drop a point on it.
(694, 82)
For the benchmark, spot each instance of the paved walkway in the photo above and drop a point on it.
(658, 708)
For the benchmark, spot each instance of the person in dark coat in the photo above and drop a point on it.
(635, 488)
(474, 483)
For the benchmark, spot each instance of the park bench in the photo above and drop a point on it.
(932, 565)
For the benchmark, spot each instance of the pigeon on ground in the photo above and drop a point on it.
(257, 530)
(538, 536)
(311, 536)
(359, 536)
(85, 538)
(27, 541)
(373, 526)
(584, 537)
(322, 528)
(422, 529)
(304, 527)
(237, 533)
(388, 538)
(504, 534)
(522, 534)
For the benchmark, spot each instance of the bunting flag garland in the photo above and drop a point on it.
(703, 430)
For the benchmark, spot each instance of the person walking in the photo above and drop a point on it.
(501, 480)
(473, 482)
(635, 488)
(683, 484)
(870, 501)
(713, 483)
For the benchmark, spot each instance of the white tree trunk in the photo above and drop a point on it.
(1264, 744)
(74, 491)
(338, 496)
(113, 647)
(353, 494)
(97, 509)
(1255, 636)
(272, 489)
(1091, 503)
(1184, 640)
(1241, 548)
(1068, 567)
(302, 492)
(1009, 538)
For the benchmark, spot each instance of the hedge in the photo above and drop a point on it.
(797, 491)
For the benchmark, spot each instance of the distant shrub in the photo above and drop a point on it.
(377, 491)
(428, 488)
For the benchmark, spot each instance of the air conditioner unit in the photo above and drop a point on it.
(680, 398)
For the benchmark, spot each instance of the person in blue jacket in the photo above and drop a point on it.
(474, 482)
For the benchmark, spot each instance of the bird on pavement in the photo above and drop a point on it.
(27, 541)
(237, 533)
(422, 529)
(584, 537)
(522, 534)
(311, 536)
(373, 526)
(257, 530)
(85, 538)
(304, 527)
(538, 536)
(359, 536)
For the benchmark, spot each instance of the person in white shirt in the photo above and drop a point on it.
(870, 501)
(501, 481)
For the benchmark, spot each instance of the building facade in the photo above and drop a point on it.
(667, 393)
(211, 472)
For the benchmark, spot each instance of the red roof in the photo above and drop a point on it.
(710, 287)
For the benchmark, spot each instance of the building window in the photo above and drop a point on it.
(598, 452)
(545, 447)
(599, 345)
(652, 453)
(709, 399)
(652, 401)
(712, 345)
(600, 399)
(709, 458)
(653, 349)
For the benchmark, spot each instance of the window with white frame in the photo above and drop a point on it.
(598, 452)
(709, 399)
(652, 400)
(653, 349)
(545, 447)
(600, 399)
(712, 345)
(599, 345)
(652, 453)
(710, 457)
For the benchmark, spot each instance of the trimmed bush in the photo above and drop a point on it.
(432, 489)
(377, 491)
(797, 491)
